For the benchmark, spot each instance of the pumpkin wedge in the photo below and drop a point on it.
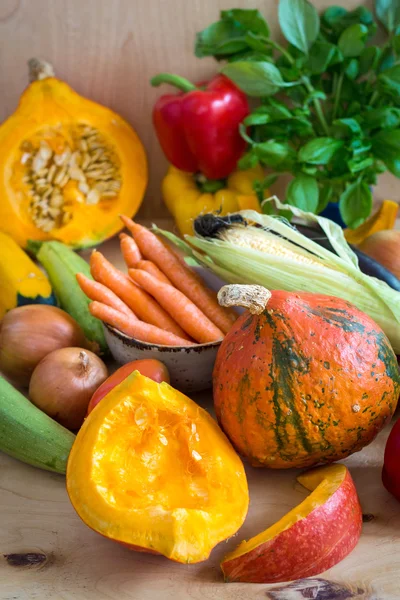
(152, 470)
(311, 538)
(69, 166)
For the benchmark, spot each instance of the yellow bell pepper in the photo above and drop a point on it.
(185, 200)
(385, 218)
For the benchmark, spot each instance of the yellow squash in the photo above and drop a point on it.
(186, 198)
(152, 470)
(69, 166)
(21, 281)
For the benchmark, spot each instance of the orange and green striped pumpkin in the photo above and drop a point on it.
(309, 380)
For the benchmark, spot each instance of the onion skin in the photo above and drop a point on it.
(29, 333)
(63, 383)
(151, 368)
(384, 246)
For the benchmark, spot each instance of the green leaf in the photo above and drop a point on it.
(386, 147)
(384, 118)
(248, 55)
(320, 56)
(352, 68)
(251, 20)
(359, 164)
(249, 160)
(303, 192)
(369, 58)
(299, 22)
(359, 146)
(333, 15)
(257, 43)
(325, 195)
(220, 39)
(319, 151)
(355, 204)
(352, 40)
(389, 81)
(396, 43)
(386, 60)
(256, 119)
(388, 12)
(273, 153)
(255, 78)
(347, 126)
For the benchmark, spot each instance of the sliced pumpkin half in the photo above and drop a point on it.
(152, 470)
(69, 166)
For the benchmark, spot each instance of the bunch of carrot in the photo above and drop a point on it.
(160, 300)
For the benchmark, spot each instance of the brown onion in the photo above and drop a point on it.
(29, 333)
(63, 383)
(384, 246)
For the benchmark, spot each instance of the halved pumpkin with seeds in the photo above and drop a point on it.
(70, 166)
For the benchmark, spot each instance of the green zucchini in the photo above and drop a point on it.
(29, 434)
(62, 264)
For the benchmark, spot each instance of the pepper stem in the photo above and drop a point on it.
(209, 186)
(39, 69)
(176, 80)
(253, 297)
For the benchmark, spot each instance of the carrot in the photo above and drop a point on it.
(186, 314)
(150, 267)
(180, 275)
(97, 291)
(143, 305)
(136, 329)
(130, 251)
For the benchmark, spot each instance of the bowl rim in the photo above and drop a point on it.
(162, 348)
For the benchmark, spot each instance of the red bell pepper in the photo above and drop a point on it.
(198, 128)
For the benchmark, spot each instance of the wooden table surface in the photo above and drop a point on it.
(62, 559)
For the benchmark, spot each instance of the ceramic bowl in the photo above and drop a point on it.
(190, 367)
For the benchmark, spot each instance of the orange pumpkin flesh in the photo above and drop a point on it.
(311, 379)
(311, 538)
(152, 470)
(70, 165)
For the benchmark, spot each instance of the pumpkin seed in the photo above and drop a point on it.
(60, 175)
(51, 173)
(93, 197)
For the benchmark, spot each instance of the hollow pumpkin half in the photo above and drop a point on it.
(70, 166)
(152, 470)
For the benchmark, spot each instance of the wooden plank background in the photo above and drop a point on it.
(108, 50)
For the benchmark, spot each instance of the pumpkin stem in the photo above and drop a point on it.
(253, 297)
(39, 69)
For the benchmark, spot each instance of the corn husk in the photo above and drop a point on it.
(256, 254)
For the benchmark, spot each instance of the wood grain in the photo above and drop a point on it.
(109, 50)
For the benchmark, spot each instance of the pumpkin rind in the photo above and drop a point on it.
(310, 380)
(53, 114)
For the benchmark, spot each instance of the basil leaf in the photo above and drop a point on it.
(299, 22)
(256, 119)
(388, 12)
(250, 20)
(258, 43)
(358, 146)
(359, 164)
(346, 126)
(320, 56)
(249, 160)
(384, 118)
(220, 39)
(396, 43)
(389, 81)
(355, 204)
(352, 68)
(386, 60)
(273, 153)
(319, 151)
(352, 40)
(248, 56)
(333, 15)
(254, 78)
(369, 58)
(325, 195)
(303, 192)
(386, 146)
